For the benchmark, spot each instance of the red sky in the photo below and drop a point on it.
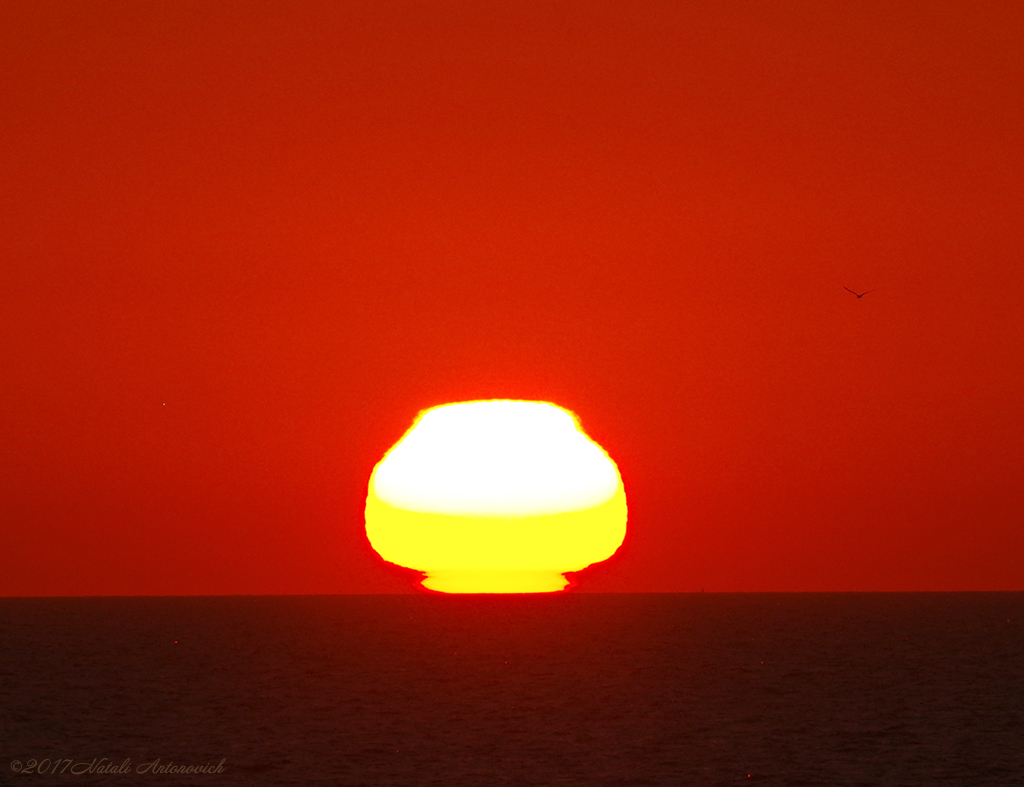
(242, 244)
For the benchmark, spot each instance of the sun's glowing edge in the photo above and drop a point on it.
(495, 582)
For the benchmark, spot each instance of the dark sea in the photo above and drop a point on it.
(567, 689)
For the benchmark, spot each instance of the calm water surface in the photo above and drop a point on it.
(578, 689)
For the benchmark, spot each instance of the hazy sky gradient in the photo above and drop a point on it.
(244, 243)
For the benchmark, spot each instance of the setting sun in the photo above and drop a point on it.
(497, 496)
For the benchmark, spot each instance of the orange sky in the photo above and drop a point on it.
(244, 243)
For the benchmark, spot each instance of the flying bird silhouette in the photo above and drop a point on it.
(858, 294)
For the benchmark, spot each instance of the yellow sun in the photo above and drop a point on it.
(497, 496)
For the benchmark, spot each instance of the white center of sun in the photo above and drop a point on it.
(496, 459)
